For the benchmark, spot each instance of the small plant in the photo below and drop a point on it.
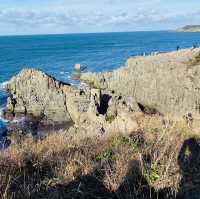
(106, 155)
(110, 117)
(195, 61)
(116, 141)
(151, 175)
(124, 140)
(130, 142)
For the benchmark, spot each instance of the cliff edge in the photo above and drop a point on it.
(189, 28)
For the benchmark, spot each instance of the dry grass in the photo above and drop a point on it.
(195, 61)
(135, 166)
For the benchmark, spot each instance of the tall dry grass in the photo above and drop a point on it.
(141, 165)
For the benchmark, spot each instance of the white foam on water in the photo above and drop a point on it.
(1, 115)
(3, 85)
(14, 121)
(64, 72)
(3, 103)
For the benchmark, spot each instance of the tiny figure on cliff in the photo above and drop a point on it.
(177, 48)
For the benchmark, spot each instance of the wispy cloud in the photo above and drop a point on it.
(63, 17)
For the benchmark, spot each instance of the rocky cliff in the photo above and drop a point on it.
(164, 83)
(93, 111)
(36, 93)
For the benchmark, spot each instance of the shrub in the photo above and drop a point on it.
(151, 175)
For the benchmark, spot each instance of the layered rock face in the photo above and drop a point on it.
(34, 92)
(93, 111)
(164, 83)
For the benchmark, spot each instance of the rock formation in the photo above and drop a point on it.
(93, 111)
(161, 84)
(34, 92)
(164, 83)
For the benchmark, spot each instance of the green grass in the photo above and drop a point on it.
(109, 117)
(151, 175)
(124, 140)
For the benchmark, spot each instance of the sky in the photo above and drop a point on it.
(24, 17)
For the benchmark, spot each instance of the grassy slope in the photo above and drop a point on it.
(135, 166)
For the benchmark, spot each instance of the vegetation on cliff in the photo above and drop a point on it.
(189, 28)
(158, 161)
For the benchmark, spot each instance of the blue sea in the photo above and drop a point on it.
(57, 54)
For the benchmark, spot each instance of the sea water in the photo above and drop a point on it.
(57, 54)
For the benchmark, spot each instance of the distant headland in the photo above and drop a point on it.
(189, 28)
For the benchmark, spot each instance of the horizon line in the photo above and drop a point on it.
(78, 33)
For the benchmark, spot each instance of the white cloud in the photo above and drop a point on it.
(60, 17)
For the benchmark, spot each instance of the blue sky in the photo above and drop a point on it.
(80, 16)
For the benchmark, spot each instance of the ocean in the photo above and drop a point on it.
(57, 54)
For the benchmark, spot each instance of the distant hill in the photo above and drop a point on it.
(189, 28)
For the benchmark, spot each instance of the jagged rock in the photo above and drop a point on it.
(36, 93)
(93, 111)
(108, 114)
(164, 83)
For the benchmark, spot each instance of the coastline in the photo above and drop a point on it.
(98, 76)
(114, 134)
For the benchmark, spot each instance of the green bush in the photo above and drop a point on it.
(151, 175)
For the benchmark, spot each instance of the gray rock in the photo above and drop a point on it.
(93, 111)
(164, 83)
(36, 93)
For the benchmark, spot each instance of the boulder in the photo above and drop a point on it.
(77, 67)
(38, 94)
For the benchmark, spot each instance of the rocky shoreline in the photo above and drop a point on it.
(115, 132)
(166, 83)
(161, 84)
(87, 111)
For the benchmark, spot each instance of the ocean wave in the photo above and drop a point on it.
(14, 121)
(3, 85)
(1, 115)
(64, 72)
